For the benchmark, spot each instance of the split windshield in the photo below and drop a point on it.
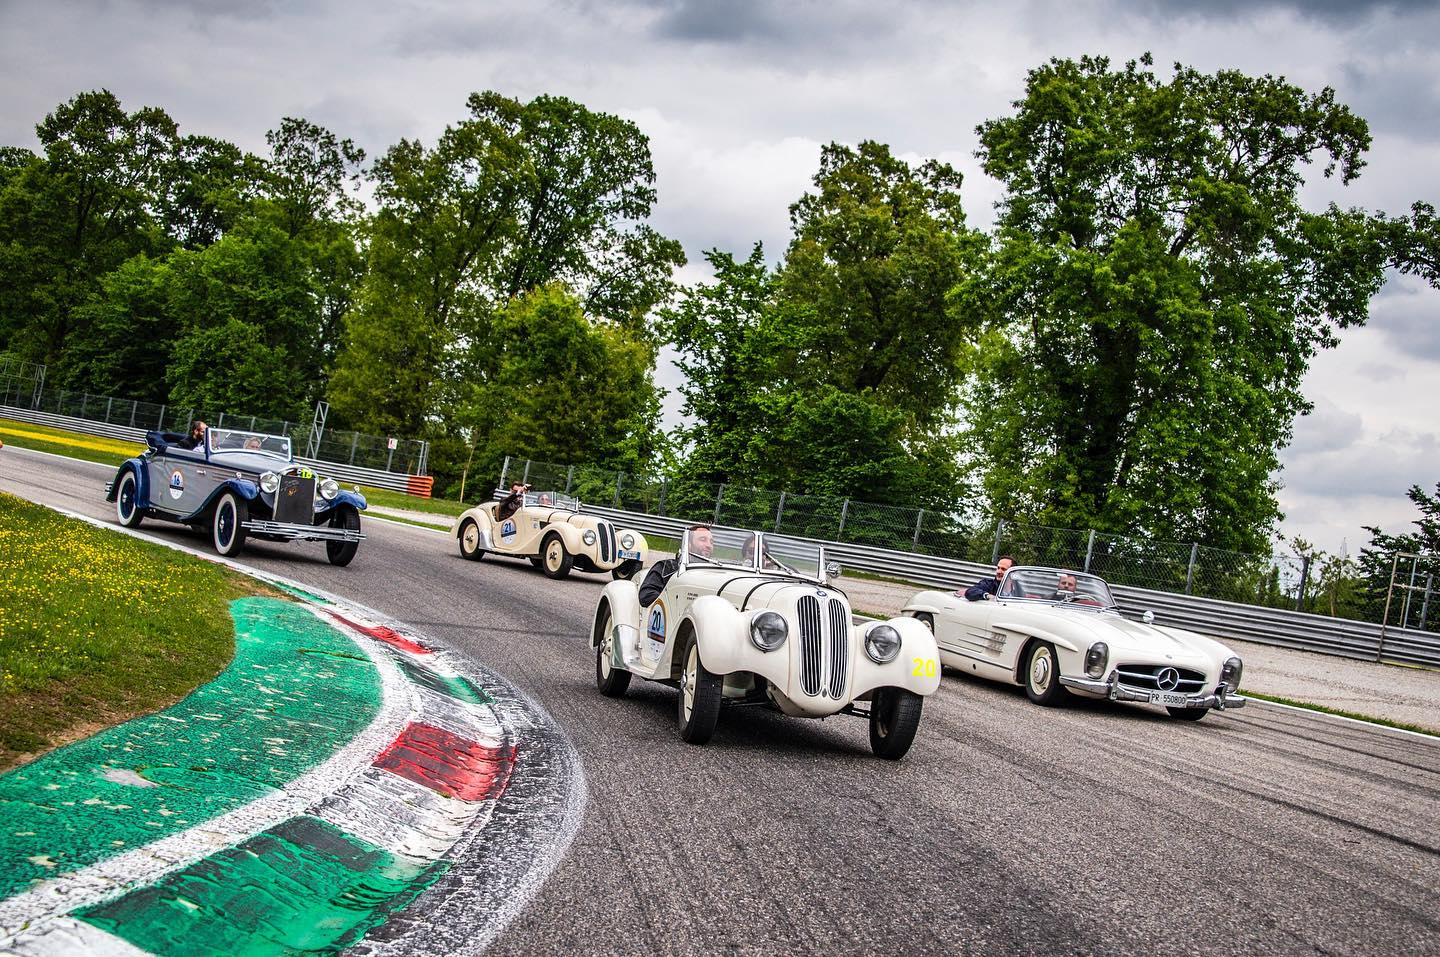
(1056, 585)
(552, 500)
(234, 440)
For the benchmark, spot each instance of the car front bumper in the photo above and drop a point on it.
(302, 533)
(1111, 688)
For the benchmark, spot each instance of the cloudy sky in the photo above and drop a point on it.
(737, 96)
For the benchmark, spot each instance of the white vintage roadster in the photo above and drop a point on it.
(1059, 632)
(551, 530)
(753, 620)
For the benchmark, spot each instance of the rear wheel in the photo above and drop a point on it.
(228, 527)
(470, 541)
(1188, 714)
(1042, 676)
(127, 500)
(611, 681)
(342, 553)
(556, 559)
(926, 619)
(894, 719)
(700, 694)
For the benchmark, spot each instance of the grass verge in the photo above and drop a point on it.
(91, 448)
(97, 628)
(1371, 719)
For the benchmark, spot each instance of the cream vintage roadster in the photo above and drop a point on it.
(554, 533)
(749, 619)
(1060, 633)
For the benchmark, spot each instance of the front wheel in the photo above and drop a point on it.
(470, 541)
(1042, 676)
(127, 500)
(611, 681)
(1188, 714)
(625, 569)
(700, 695)
(556, 559)
(228, 529)
(342, 553)
(894, 719)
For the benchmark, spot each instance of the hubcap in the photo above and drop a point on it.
(472, 537)
(222, 524)
(605, 646)
(552, 556)
(1040, 671)
(687, 680)
(127, 497)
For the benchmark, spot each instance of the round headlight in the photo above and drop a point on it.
(768, 630)
(269, 482)
(627, 541)
(589, 537)
(882, 644)
(329, 488)
(1096, 659)
(1230, 674)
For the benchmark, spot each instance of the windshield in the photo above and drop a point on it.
(1056, 585)
(552, 500)
(753, 551)
(234, 440)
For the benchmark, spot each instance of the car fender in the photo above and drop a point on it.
(722, 633)
(142, 482)
(642, 545)
(1070, 654)
(342, 498)
(622, 597)
(244, 488)
(930, 601)
(481, 518)
(916, 668)
(570, 535)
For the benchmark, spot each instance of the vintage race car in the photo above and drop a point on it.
(237, 484)
(1059, 632)
(555, 534)
(756, 622)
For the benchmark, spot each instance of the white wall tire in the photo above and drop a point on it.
(127, 500)
(1042, 676)
(227, 525)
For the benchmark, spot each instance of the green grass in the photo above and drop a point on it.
(433, 506)
(97, 627)
(91, 448)
(1401, 725)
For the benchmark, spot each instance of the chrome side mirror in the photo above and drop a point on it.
(832, 569)
(1148, 617)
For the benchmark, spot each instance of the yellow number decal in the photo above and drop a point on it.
(924, 668)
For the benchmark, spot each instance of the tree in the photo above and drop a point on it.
(1415, 243)
(1155, 294)
(1377, 560)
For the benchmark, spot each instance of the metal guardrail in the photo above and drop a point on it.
(1219, 619)
(376, 478)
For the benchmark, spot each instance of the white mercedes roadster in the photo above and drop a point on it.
(1059, 632)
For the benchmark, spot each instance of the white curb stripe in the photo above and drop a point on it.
(67, 937)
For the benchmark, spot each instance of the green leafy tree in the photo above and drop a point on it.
(1415, 243)
(1377, 560)
(1155, 294)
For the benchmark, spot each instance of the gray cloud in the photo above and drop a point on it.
(1339, 12)
(1406, 313)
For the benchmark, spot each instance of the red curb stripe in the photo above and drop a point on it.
(381, 633)
(448, 764)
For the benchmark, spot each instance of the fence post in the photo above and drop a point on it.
(1089, 550)
(1425, 604)
(663, 482)
(160, 425)
(109, 404)
(1405, 609)
(570, 479)
(221, 423)
(354, 441)
(1385, 617)
(134, 404)
(779, 511)
(619, 480)
(84, 397)
(1190, 571)
(1304, 580)
(252, 423)
(915, 542)
(525, 478)
(995, 552)
(718, 496)
(844, 510)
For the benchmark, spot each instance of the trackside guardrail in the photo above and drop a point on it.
(376, 478)
(1220, 619)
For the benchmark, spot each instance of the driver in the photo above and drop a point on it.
(1065, 587)
(196, 438)
(511, 503)
(702, 544)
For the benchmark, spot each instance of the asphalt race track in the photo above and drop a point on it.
(1008, 829)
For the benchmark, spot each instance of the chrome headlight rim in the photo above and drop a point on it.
(329, 488)
(769, 631)
(269, 482)
(627, 541)
(1097, 658)
(1230, 673)
(882, 643)
(588, 536)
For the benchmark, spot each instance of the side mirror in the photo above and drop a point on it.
(832, 569)
(1148, 617)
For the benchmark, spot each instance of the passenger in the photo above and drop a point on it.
(702, 545)
(511, 503)
(252, 444)
(986, 588)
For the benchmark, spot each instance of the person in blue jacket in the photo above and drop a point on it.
(985, 588)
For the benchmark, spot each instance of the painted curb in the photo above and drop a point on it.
(453, 749)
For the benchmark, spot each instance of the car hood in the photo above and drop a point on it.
(249, 462)
(1126, 639)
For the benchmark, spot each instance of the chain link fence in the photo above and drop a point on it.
(22, 385)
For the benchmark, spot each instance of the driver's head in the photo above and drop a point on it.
(1003, 566)
(1067, 582)
(197, 429)
(702, 543)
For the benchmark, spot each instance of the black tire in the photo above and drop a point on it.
(555, 561)
(1042, 676)
(625, 569)
(894, 719)
(1188, 714)
(926, 619)
(611, 681)
(127, 500)
(469, 539)
(342, 553)
(700, 695)
(227, 524)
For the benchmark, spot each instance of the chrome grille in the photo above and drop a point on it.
(824, 646)
(607, 541)
(1146, 677)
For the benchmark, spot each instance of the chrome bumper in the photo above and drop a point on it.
(1111, 688)
(303, 533)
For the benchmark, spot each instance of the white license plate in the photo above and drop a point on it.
(1168, 699)
(625, 554)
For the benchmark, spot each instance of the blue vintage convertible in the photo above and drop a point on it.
(237, 484)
